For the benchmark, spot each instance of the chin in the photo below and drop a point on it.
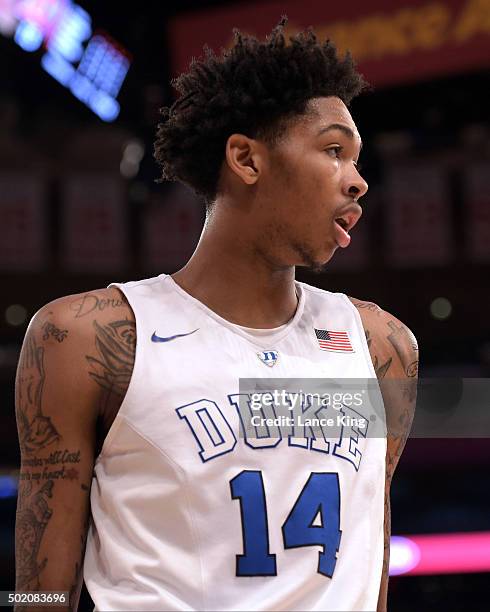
(316, 261)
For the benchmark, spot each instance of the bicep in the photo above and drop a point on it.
(397, 346)
(56, 416)
(395, 356)
(400, 390)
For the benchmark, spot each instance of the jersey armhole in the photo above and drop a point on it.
(362, 333)
(129, 391)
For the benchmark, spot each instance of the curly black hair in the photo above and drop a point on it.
(255, 88)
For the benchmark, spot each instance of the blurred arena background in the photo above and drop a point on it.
(80, 88)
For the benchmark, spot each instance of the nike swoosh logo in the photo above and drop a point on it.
(156, 338)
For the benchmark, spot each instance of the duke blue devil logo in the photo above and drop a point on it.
(268, 357)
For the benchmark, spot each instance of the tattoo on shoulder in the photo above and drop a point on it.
(50, 330)
(113, 366)
(380, 368)
(398, 337)
(36, 431)
(91, 303)
(362, 305)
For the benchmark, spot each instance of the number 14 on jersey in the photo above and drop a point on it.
(320, 497)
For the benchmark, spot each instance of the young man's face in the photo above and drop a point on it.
(310, 182)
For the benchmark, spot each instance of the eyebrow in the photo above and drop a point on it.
(342, 128)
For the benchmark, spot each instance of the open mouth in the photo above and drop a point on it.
(342, 222)
(341, 232)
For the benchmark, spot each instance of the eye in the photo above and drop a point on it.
(358, 166)
(334, 151)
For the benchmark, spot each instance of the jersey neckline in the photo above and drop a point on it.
(263, 341)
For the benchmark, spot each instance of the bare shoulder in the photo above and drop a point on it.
(392, 344)
(84, 344)
(81, 325)
(79, 315)
(83, 308)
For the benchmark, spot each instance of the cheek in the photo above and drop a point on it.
(303, 192)
(328, 175)
(321, 180)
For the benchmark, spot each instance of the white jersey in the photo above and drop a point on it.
(188, 514)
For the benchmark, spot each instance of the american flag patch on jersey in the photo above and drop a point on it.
(337, 341)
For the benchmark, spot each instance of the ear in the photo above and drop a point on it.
(244, 157)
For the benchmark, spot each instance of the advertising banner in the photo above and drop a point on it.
(392, 41)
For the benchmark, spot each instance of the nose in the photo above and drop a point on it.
(355, 185)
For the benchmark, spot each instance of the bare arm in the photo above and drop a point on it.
(69, 380)
(394, 353)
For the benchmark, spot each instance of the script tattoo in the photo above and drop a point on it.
(35, 430)
(58, 465)
(371, 306)
(91, 302)
(51, 330)
(115, 343)
(33, 515)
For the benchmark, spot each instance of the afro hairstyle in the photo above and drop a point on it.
(255, 88)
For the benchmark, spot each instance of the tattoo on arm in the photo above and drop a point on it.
(371, 306)
(93, 303)
(115, 343)
(380, 369)
(50, 330)
(412, 369)
(58, 465)
(42, 466)
(33, 516)
(36, 431)
(398, 338)
(399, 396)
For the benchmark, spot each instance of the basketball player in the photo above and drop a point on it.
(134, 472)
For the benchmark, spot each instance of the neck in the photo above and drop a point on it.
(229, 274)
